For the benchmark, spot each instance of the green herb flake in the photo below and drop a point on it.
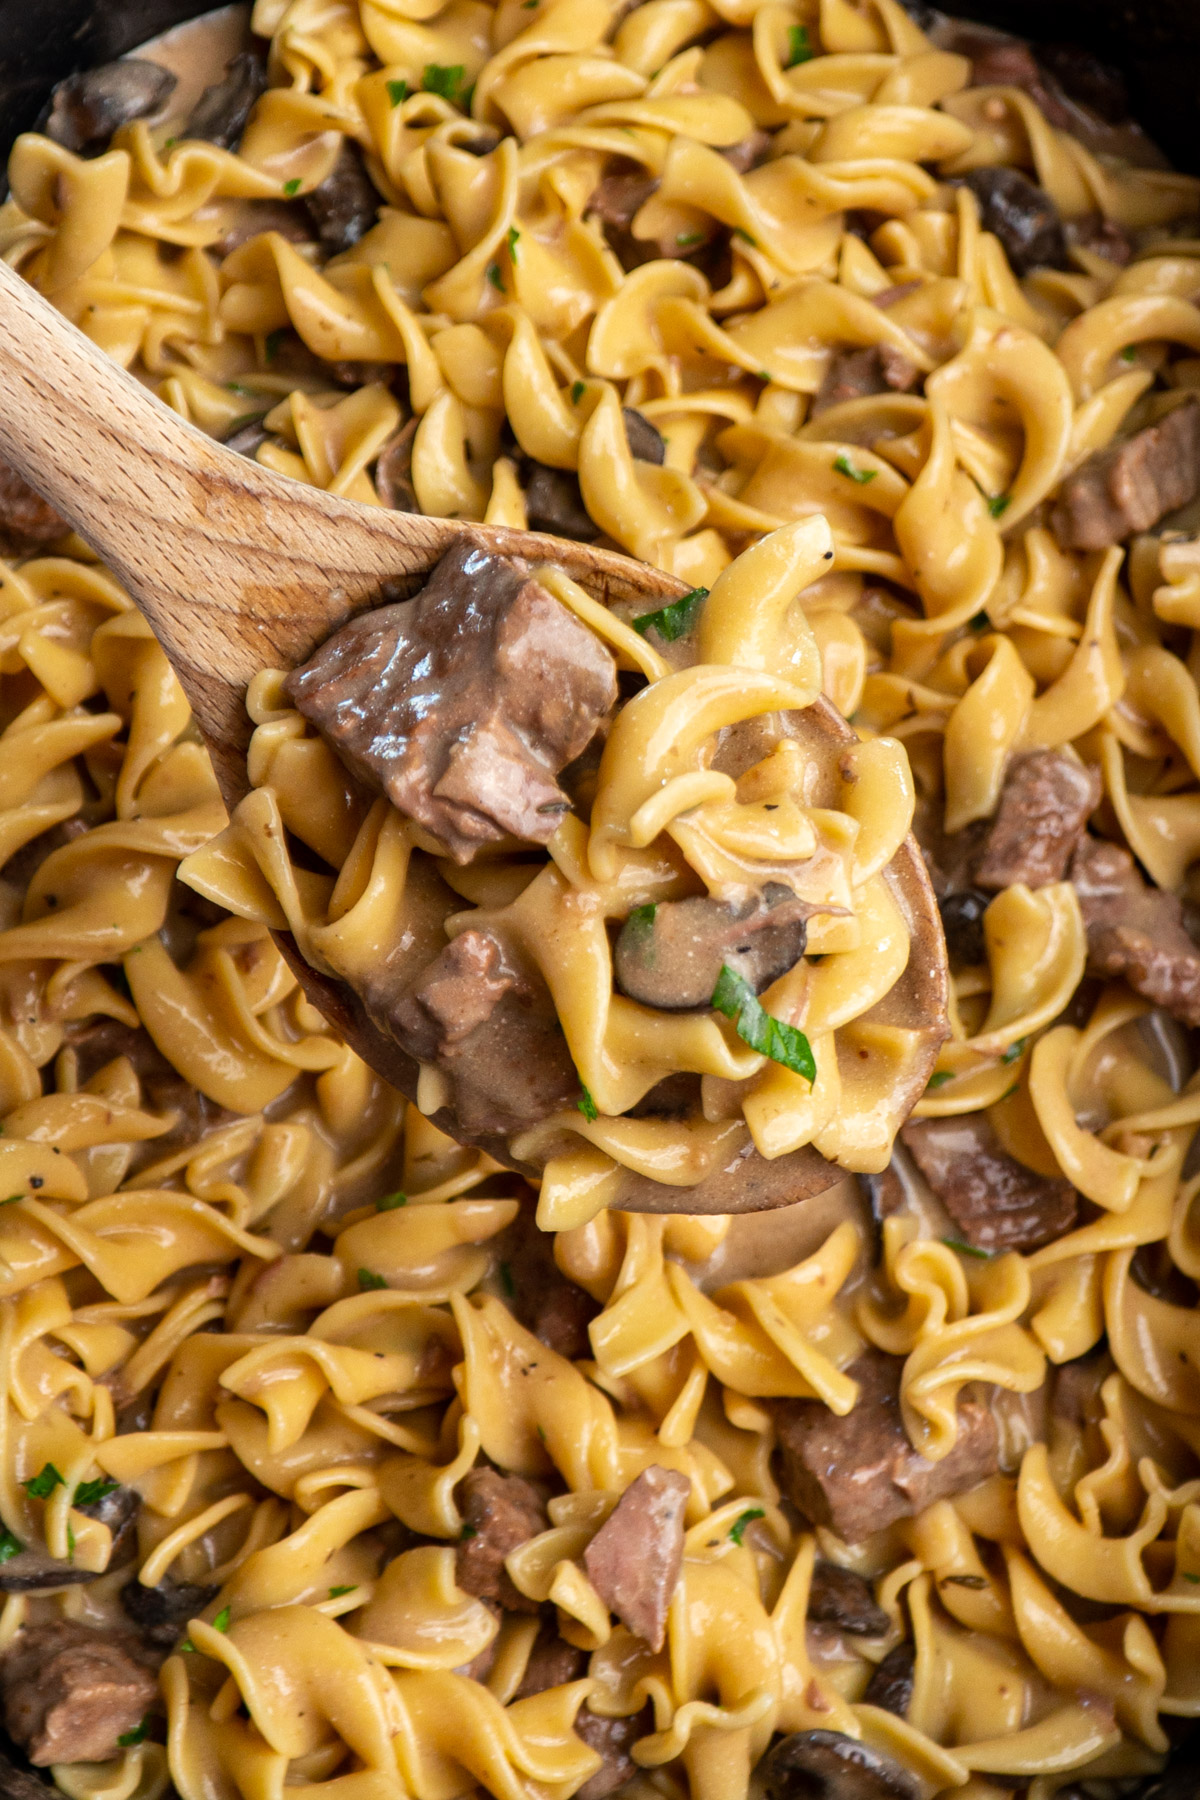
(965, 1249)
(686, 240)
(12, 1199)
(391, 1202)
(43, 1484)
(89, 1492)
(541, 1430)
(738, 232)
(979, 622)
(188, 1648)
(10, 1546)
(578, 390)
(784, 1044)
(1129, 353)
(221, 1622)
(674, 621)
(642, 917)
(998, 505)
(844, 466)
(799, 48)
(587, 1106)
(738, 1529)
(1015, 1052)
(506, 1280)
(272, 342)
(514, 238)
(1194, 1579)
(467, 1533)
(528, 5)
(938, 1079)
(398, 92)
(336, 1593)
(1009, 1092)
(170, 143)
(977, 1582)
(70, 1544)
(443, 78)
(764, 375)
(495, 277)
(369, 1280)
(128, 1739)
(292, 187)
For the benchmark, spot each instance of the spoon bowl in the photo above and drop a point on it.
(238, 569)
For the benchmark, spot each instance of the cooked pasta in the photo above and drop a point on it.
(340, 1457)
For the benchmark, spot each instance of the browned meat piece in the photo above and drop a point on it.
(891, 1686)
(748, 152)
(221, 114)
(164, 1090)
(1135, 932)
(614, 1739)
(670, 956)
(645, 441)
(554, 503)
(27, 522)
(160, 1613)
(1103, 236)
(346, 205)
(500, 1513)
(539, 1294)
(463, 704)
(860, 1473)
(492, 1028)
(71, 1690)
(840, 1597)
(853, 374)
(1042, 815)
(393, 471)
(552, 1663)
(827, 1765)
(89, 107)
(617, 198)
(962, 921)
(1076, 1391)
(633, 1562)
(1132, 485)
(995, 1201)
(1022, 216)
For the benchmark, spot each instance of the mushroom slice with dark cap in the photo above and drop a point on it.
(827, 1765)
(670, 956)
(87, 108)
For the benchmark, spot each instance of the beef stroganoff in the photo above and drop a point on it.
(323, 1464)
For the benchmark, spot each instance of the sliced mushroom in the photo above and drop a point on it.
(838, 1596)
(1022, 216)
(222, 111)
(346, 205)
(249, 437)
(554, 503)
(393, 471)
(670, 956)
(33, 1568)
(645, 442)
(161, 1612)
(87, 108)
(827, 1765)
(891, 1686)
(962, 921)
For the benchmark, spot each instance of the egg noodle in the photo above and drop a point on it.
(244, 1281)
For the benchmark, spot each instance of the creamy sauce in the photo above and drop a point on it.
(196, 53)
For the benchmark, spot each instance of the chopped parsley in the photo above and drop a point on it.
(642, 917)
(738, 1529)
(127, 1739)
(784, 1044)
(43, 1484)
(188, 1648)
(578, 390)
(467, 1533)
(685, 240)
(1129, 353)
(443, 78)
(368, 1279)
(221, 1622)
(495, 277)
(89, 1492)
(398, 92)
(272, 342)
(170, 143)
(1009, 1092)
(1194, 1579)
(292, 187)
(587, 1106)
(978, 622)
(745, 237)
(10, 1546)
(939, 1078)
(390, 1202)
(998, 505)
(844, 466)
(335, 1593)
(12, 1199)
(1015, 1052)
(967, 1581)
(70, 1544)
(514, 238)
(799, 48)
(506, 1280)
(674, 621)
(965, 1249)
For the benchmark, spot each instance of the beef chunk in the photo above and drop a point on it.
(221, 114)
(859, 1473)
(1042, 815)
(614, 1739)
(88, 108)
(554, 503)
(840, 1597)
(1022, 216)
(670, 956)
(393, 471)
(500, 1513)
(1088, 80)
(463, 704)
(827, 1765)
(160, 1613)
(552, 1663)
(346, 204)
(1132, 485)
(492, 1028)
(71, 1690)
(962, 913)
(633, 1562)
(553, 1308)
(853, 374)
(995, 1201)
(891, 1686)
(645, 442)
(27, 522)
(1134, 931)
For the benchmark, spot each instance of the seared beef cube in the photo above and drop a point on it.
(87, 108)
(539, 1294)
(27, 522)
(491, 1028)
(1135, 932)
(223, 110)
(1042, 815)
(346, 204)
(554, 503)
(500, 1513)
(859, 1473)
(1022, 216)
(393, 471)
(552, 1663)
(670, 956)
(891, 1686)
(634, 1560)
(160, 1613)
(996, 1202)
(614, 1739)
(71, 1690)
(827, 1765)
(463, 704)
(854, 374)
(962, 921)
(839, 1597)
(1132, 485)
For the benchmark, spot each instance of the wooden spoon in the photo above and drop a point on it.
(239, 569)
